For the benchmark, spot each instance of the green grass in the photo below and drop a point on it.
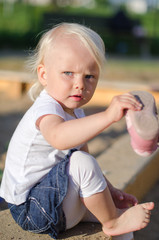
(98, 11)
(20, 26)
(149, 21)
(23, 17)
(16, 20)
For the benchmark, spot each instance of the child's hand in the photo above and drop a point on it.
(121, 199)
(120, 103)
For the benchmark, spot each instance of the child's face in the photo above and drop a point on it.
(69, 73)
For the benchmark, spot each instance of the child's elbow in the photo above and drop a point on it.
(57, 141)
(57, 144)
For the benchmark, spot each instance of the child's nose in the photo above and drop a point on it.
(79, 84)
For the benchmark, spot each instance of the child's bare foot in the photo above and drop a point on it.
(129, 220)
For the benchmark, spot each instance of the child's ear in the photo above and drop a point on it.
(41, 71)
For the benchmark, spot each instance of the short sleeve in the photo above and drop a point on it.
(45, 105)
(79, 113)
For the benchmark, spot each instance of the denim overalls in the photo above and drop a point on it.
(42, 212)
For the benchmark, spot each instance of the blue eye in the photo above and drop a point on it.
(89, 76)
(68, 73)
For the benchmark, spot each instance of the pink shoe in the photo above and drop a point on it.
(143, 126)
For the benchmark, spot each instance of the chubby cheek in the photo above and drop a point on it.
(91, 88)
(52, 89)
(89, 94)
(58, 90)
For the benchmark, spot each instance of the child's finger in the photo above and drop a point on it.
(130, 97)
(132, 102)
(119, 195)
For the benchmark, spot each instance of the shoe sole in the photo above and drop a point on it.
(145, 122)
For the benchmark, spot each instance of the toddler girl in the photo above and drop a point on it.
(50, 181)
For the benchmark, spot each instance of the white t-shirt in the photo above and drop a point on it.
(30, 157)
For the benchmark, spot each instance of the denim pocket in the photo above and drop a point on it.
(38, 220)
(34, 219)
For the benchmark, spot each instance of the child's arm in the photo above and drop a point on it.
(65, 135)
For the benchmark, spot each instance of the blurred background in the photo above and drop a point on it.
(128, 27)
(130, 32)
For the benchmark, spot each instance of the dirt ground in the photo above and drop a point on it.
(10, 113)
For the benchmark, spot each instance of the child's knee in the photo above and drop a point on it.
(85, 171)
(83, 160)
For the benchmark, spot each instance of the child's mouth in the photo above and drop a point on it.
(76, 97)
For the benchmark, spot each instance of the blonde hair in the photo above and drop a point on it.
(88, 37)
